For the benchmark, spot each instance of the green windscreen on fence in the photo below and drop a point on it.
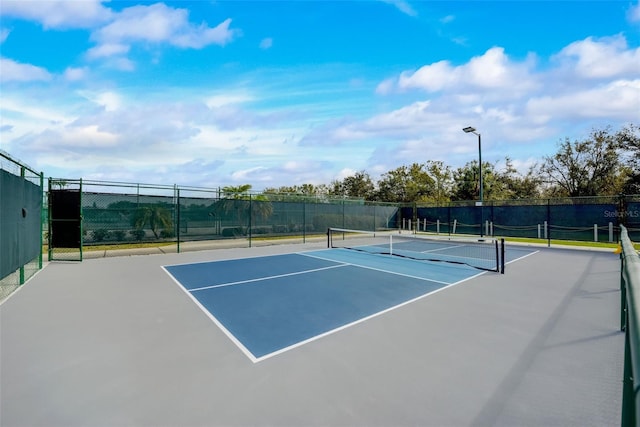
(20, 216)
(578, 218)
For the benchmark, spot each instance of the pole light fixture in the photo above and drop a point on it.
(470, 129)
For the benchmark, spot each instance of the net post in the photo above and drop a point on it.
(502, 251)
(329, 238)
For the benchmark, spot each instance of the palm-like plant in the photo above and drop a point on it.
(155, 217)
(238, 203)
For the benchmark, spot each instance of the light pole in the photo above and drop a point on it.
(470, 129)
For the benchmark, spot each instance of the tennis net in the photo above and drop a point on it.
(482, 253)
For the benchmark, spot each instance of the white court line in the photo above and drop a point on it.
(390, 272)
(224, 330)
(259, 279)
(255, 359)
(442, 249)
(524, 256)
(347, 325)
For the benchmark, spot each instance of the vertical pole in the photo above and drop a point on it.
(177, 219)
(42, 219)
(481, 183)
(611, 232)
(21, 280)
(628, 395)
(304, 216)
(50, 234)
(81, 222)
(547, 223)
(502, 252)
(250, 218)
(595, 232)
(623, 295)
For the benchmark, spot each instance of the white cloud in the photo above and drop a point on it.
(601, 58)
(31, 112)
(107, 50)
(448, 19)
(4, 33)
(225, 99)
(159, 23)
(491, 70)
(59, 14)
(12, 71)
(110, 101)
(617, 100)
(266, 43)
(433, 77)
(403, 6)
(75, 74)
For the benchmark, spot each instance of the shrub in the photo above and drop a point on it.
(233, 231)
(100, 234)
(167, 233)
(137, 234)
(119, 235)
(261, 230)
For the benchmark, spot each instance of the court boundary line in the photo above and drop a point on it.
(523, 257)
(259, 279)
(361, 320)
(211, 317)
(254, 359)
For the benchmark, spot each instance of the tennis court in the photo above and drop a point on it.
(303, 335)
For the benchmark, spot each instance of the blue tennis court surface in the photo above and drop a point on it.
(270, 304)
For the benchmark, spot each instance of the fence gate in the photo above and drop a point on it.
(65, 220)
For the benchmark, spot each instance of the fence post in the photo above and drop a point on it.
(595, 232)
(178, 220)
(611, 232)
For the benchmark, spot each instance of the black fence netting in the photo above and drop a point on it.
(124, 215)
(580, 218)
(118, 215)
(20, 223)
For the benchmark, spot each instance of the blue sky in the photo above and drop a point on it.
(281, 93)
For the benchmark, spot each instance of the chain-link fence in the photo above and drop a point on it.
(578, 218)
(20, 223)
(176, 218)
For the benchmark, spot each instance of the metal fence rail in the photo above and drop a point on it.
(630, 323)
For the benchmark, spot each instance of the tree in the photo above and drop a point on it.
(243, 206)
(443, 177)
(467, 182)
(628, 140)
(514, 185)
(156, 217)
(586, 168)
(359, 185)
(407, 184)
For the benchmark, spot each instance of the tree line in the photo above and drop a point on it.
(606, 163)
